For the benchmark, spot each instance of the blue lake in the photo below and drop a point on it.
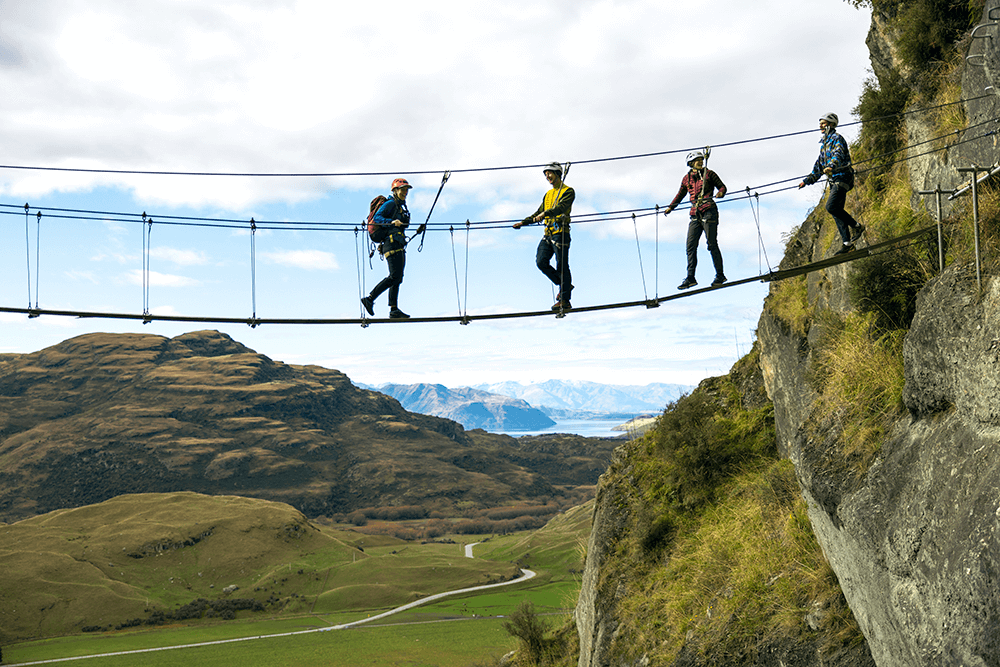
(593, 428)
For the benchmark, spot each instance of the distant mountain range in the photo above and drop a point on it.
(512, 406)
(593, 397)
(469, 407)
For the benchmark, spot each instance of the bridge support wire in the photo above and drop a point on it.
(27, 252)
(772, 276)
(638, 248)
(147, 242)
(760, 238)
(253, 321)
(361, 277)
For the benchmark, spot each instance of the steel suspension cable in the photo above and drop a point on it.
(467, 170)
(586, 217)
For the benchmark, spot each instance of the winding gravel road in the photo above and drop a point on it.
(525, 575)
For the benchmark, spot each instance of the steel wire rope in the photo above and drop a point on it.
(466, 170)
(224, 223)
(147, 250)
(361, 280)
(253, 273)
(38, 255)
(760, 236)
(27, 252)
(465, 311)
(454, 261)
(772, 276)
(642, 274)
(656, 246)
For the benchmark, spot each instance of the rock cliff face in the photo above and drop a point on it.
(916, 542)
(914, 537)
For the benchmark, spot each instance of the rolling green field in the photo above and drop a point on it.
(321, 578)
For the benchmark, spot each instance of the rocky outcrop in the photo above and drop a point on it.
(596, 619)
(101, 415)
(916, 541)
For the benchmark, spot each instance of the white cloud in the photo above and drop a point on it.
(315, 86)
(178, 256)
(313, 260)
(157, 279)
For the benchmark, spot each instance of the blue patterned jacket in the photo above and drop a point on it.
(833, 152)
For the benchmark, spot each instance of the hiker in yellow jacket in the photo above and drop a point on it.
(554, 212)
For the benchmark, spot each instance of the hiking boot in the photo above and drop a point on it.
(719, 280)
(397, 314)
(857, 232)
(844, 249)
(688, 282)
(561, 305)
(369, 304)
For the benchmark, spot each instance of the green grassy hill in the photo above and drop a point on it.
(91, 572)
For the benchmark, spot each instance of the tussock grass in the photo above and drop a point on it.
(858, 372)
(746, 570)
(789, 302)
(719, 555)
(949, 120)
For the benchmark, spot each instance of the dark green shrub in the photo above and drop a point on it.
(703, 445)
(526, 626)
(878, 108)
(886, 285)
(928, 28)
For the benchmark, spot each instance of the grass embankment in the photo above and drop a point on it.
(718, 556)
(159, 552)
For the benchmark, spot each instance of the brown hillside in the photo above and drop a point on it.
(106, 414)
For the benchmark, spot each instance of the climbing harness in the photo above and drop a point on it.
(564, 255)
(704, 177)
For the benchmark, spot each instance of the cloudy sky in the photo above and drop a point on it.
(364, 92)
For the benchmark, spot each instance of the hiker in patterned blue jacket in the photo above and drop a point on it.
(835, 161)
(394, 215)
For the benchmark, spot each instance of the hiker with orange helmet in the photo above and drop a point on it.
(393, 215)
(554, 213)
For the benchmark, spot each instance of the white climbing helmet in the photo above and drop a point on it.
(695, 155)
(831, 118)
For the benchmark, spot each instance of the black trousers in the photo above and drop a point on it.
(707, 222)
(835, 207)
(556, 245)
(396, 262)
